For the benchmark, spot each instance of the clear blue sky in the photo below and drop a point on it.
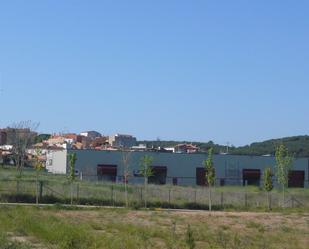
(203, 70)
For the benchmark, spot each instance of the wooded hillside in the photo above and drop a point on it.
(299, 145)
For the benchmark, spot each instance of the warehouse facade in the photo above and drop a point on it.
(173, 168)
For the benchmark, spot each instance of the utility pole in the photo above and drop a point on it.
(227, 147)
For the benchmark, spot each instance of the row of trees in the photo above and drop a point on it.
(284, 163)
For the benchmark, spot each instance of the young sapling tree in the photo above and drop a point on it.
(38, 166)
(268, 184)
(126, 173)
(284, 163)
(210, 175)
(146, 171)
(72, 158)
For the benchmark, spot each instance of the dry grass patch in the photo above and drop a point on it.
(128, 229)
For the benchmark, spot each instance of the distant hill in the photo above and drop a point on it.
(298, 145)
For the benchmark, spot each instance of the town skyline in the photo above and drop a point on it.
(141, 139)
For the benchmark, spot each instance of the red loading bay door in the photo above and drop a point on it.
(296, 179)
(200, 177)
(159, 175)
(251, 176)
(107, 172)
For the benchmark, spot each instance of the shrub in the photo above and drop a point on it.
(189, 238)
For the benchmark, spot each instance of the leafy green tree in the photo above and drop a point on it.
(71, 177)
(268, 184)
(210, 175)
(38, 166)
(284, 163)
(42, 137)
(146, 171)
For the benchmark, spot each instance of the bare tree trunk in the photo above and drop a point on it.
(17, 186)
(283, 196)
(145, 194)
(18, 177)
(71, 193)
(125, 161)
(37, 189)
(209, 199)
(269, 200)
(126, 191)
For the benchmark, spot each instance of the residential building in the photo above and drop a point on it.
(3, 137)
(59, 142)
(170, 149)
(73, 137)
(86, 142)
(91, 134)
(55, 159)
(186, 148)
(122, 141)
(140, 147)
(99, 142)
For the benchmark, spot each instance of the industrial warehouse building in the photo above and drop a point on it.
(173, 168)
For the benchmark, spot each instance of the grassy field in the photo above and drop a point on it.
(62, 227)
(56, 189)
(57, 227)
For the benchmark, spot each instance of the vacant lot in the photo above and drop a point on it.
(57, 227)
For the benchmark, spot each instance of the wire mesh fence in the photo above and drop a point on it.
(167, 196)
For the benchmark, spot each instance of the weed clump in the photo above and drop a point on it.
(189, 238)
(6, 243)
